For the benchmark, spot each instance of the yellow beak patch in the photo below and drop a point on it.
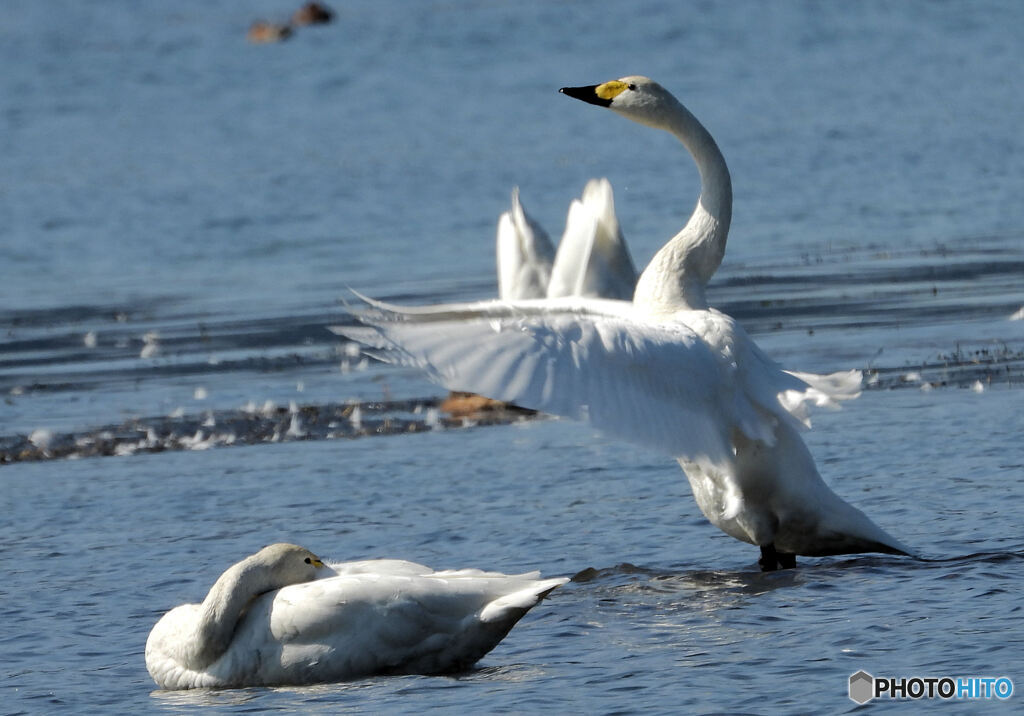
(610, 90)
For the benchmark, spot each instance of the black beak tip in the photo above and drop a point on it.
(586, 94)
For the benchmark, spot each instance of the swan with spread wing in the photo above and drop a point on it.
(664, 369)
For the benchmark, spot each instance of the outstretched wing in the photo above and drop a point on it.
(654, 384)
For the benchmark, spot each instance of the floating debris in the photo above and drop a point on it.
(41, 438)
(150, 345)
(977, 369)
(249, 425)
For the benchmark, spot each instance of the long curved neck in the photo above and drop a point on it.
(223, 607)
(678, 274)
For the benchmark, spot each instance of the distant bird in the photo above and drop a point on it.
(312, 13)
(664, 370)
(592, 258)
(262, 32)
(284, 616)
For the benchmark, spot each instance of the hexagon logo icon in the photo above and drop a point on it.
(862, 687)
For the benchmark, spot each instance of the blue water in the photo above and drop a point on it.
(162, 175)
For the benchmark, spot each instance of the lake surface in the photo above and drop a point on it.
(184, 213)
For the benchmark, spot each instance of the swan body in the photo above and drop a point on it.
(592, 257)
(283, 616)
(664, 370)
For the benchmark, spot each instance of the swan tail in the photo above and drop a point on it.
(861, 546)
(516, 604)
(847, 530)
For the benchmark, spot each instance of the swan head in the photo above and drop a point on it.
(635, 97)
(288, 563)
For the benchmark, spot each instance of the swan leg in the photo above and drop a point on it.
(772, 560)
(769, 558)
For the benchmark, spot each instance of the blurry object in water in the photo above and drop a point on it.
(460, 404)
(328, 622)
(262, 32)
(312, 13)
(1019, 315)
(150, 345)
(41, 438)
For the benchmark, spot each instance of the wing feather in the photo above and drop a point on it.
(656, 385)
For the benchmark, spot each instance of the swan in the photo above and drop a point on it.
(592, 257)
(283, 616)
(664, 370)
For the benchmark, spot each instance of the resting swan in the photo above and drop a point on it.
(283, 616)
(664, 370)
(592, 258)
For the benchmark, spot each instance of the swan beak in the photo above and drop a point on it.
(590, 94)
(317, 563)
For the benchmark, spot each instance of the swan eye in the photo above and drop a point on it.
(308, 560)
(631, 86)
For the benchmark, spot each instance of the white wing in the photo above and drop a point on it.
(592, 258)
(365, 622)
(659, 385)
(680, 386)
(524, 254)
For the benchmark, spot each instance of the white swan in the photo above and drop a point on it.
(592, 257)
(663, 370)
(282, 616)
